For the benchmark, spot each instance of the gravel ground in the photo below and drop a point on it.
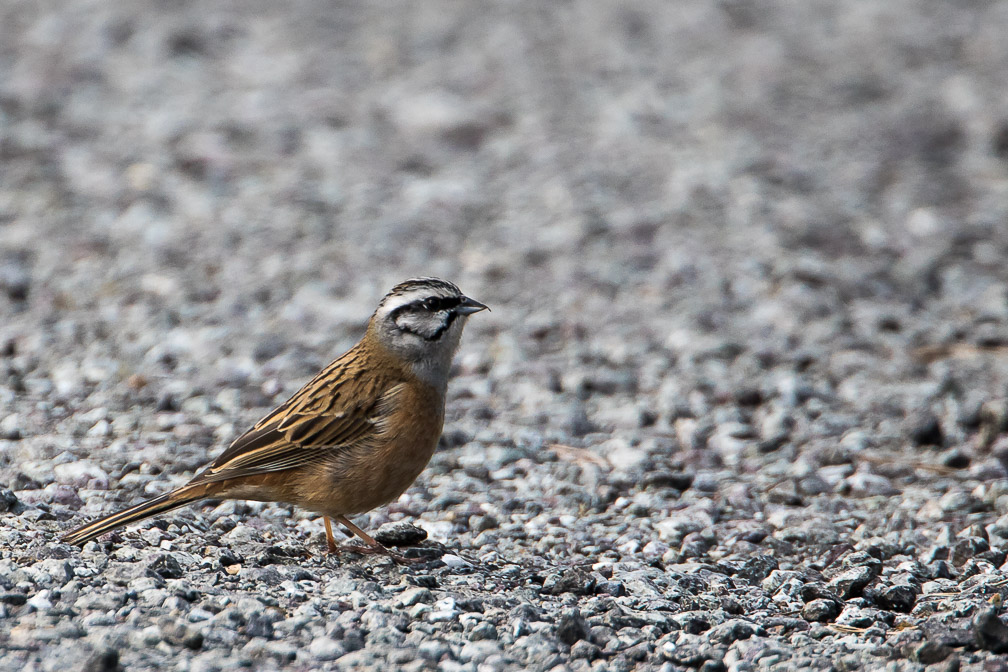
(741, 404)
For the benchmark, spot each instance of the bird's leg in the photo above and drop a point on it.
(331, 547)
(372, 544)
(330, 541)
(365, 537)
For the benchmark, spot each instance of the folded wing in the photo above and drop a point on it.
(327, 416)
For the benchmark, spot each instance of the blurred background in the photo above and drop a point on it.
(668, 205)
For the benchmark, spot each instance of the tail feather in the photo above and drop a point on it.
(160, 504)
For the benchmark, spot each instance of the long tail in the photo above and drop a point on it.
(166, 502)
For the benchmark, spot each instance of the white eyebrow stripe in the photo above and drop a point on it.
(393, 303)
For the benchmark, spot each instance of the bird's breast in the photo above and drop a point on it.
(368, 476)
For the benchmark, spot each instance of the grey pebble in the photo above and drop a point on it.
(571, 627)
(399, 534)
(924, 429)
(572, 580)
(483, 631)
(15, 276)
(856, 571)
(324, 648)
(821, 609)
(478, 651)
(991, 632)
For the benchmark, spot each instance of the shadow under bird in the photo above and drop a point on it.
(356, 436)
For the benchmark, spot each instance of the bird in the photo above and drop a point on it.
(354, 437)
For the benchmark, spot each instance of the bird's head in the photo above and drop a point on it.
(421, 321)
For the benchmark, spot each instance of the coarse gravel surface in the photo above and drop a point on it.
(741, 404)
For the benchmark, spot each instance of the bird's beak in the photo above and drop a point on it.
(469, 306)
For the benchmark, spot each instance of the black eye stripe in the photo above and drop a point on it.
(435, 303)
(431, 304)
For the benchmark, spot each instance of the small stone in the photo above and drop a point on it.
(939, 569)
(924, 428)
(732, 631)
(958, 502)
(579, 424)
(573, 580)
(694, 622)
(813, 485)
(899, 597)
(585, 649)
(167, 567)
(678, 524)
(414, 596)
(483, 631)
(999, 527)
(776, 426)
(857, 571)
(239, 536)
(105, 660)
(478, 651)
(16, 599)
(259, 625)
(483, 523)
(613, 588)
(821, 610)
(928, 653)
(178, 633)
(289, 588)
(325, 648)
(64, 495)
(269, 346)
(571, 627)
(9, 502)
(167, 402)
(434, 650)
(40, 601)
(777, 578)
(990, 632)
(814, 590)
(623, 456)
(453, 561)
(228, 558)
(10, 428)
(694, 544)
(668, 479)
(82, 473)
(856, 615)
(851, 582)
(400, 533)
(757, 568)
(974, 530)
(689, 650)
(15, 277)
(968, 548)
(444, 610)
(955, 459)
(101, 429)
(867, 484)
(954, 634)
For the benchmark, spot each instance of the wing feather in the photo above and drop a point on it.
(333, 413)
